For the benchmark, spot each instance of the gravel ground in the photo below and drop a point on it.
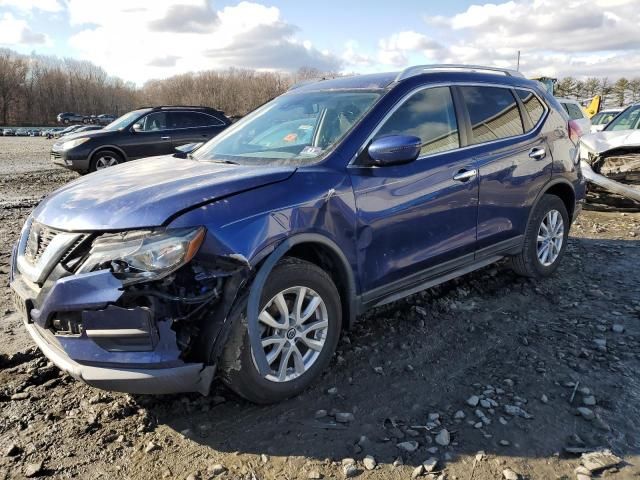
(486, 377)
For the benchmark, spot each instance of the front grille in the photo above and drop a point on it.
(38, 240)
(55, 154)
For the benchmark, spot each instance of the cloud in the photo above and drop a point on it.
(32, 38)
(585, 38)
(29, 5)
(395, 49)
(15, 31)
(186, 18)
(353, 55)
(168, 61)
(175, 38)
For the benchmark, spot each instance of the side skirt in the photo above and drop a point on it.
(439, 274)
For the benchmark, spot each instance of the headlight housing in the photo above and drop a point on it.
(68, 145)
(143, 255)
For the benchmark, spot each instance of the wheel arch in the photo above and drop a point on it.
(108, 147)
(314, 248)
(561, 188)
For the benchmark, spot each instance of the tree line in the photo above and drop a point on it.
(619, 93)
(35, 88)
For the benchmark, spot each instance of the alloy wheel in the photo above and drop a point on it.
(550, 238)
(105, 162)
(293, 326)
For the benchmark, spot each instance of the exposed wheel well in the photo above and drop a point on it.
(566, 194)
(329, 261)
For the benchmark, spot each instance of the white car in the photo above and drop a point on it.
(602, 118)
(573, 108)
(611, 158)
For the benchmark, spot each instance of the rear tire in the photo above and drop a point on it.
(104, 159)
(291, 279)
(545, 239)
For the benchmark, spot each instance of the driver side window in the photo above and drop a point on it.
(154, 121)
(428, 114)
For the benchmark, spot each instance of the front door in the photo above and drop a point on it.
(419, 218)
(152, 137)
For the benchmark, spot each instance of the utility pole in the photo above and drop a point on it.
(518, 62)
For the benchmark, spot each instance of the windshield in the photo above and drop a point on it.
(124, 120)
(299, 127)
(602, 118)
(627, 120)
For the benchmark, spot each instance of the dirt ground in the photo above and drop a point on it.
(531, 353)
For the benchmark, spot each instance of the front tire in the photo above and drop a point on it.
(104, 159)
(545, 239)
(299, 322)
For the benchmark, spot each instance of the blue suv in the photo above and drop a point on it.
(246, 258)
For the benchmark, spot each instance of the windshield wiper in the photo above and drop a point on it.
(228, 162)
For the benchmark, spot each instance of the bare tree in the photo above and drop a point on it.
(591, 87)
(13, 71)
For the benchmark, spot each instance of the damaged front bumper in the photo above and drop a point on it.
(629, 191)
(76, 323)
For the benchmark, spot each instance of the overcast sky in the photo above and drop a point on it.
(142, 39)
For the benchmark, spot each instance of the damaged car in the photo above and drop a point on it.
(245, 258)
(611, 159)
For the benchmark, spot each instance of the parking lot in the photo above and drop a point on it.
(531, 353)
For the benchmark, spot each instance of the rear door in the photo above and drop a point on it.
(513, 160)
(193, 127)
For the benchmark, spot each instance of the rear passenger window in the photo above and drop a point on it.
(493, 112)
(193, 119)
(429, 115)
(532, 106)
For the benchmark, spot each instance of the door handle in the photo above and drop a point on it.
(165, 138)
(465, 175)
(537, 153)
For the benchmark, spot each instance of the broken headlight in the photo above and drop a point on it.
(140, 256)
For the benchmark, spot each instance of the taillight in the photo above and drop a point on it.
(575, 132)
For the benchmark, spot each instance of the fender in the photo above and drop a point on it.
(253, 302)
(547, 186)
(109, 147)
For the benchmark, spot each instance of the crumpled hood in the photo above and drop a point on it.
(145, 193)
(603, 141)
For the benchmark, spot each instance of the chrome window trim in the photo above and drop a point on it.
(221, 124)
(403, 100)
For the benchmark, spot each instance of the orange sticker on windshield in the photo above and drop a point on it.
(292, 137)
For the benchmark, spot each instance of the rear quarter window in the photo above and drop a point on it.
(574, 111)
(532, 105)
(493, 112)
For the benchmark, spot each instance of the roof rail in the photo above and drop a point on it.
(160, 107)
(418, 69)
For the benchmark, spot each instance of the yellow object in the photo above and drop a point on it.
(594, 106)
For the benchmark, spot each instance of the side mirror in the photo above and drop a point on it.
(183, 150)
(394, 150)
(137, 127)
